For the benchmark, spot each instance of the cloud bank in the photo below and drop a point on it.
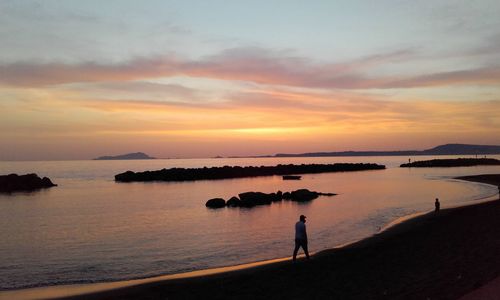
(251, 64)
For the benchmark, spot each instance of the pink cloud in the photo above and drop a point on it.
(245, 64)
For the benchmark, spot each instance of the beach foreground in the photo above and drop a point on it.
(434, 256)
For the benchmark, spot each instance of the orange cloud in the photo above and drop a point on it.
(261, 120)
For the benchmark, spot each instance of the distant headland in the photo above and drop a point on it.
(136, 155)
(448, 149)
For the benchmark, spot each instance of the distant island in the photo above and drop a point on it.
(459, 162)
(226, 172)
(448, 149)
(136, 155)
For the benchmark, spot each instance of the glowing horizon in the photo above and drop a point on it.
(81, 80)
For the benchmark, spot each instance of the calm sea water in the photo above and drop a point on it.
(91, 229)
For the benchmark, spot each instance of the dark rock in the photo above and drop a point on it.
(233, 202)
(29, 182)
(216, 203)
(250, 199)
(125, 177)
(303, 195)
(275, 197)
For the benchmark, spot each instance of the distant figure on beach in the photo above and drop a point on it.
(437, 205)
(300, 237)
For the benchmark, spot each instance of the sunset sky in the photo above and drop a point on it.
(80, 79)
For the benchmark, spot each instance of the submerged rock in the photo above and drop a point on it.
(327, 194)
(29, 182)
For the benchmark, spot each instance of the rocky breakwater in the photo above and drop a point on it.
(251, 199)
(227, 172)
(458, 162)
(26, 183)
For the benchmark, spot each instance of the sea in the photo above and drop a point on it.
(92, 229)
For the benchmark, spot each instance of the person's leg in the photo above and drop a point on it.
(304, 246)
(297, 245)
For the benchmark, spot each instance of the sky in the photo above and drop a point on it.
(186, 79)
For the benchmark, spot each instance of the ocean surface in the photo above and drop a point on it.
(92, 229)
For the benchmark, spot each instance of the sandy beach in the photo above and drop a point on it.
(433, 256)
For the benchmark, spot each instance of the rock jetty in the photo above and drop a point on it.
(227, 172)
(458, 162)
(27, 183)
(251, 199)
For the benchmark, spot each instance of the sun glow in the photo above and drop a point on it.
(202, 90)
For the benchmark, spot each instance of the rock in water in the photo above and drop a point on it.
(216, 203)
(250, 199)
(303, 195)
(29, 182)
(233, 202)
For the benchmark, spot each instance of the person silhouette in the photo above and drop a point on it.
(437, 205)
(300, 237)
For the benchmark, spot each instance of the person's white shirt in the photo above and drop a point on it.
(300, 231)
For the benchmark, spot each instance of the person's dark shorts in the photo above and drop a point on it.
(301, 243)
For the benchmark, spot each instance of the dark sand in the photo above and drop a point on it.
(443, 256)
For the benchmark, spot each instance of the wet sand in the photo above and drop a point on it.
(433, 256)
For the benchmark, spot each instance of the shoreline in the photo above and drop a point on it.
(127, 289)
(70, 290)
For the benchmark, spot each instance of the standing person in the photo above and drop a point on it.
(300, 237)
(437, 205)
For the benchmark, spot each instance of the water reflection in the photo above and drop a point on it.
(90, 228)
